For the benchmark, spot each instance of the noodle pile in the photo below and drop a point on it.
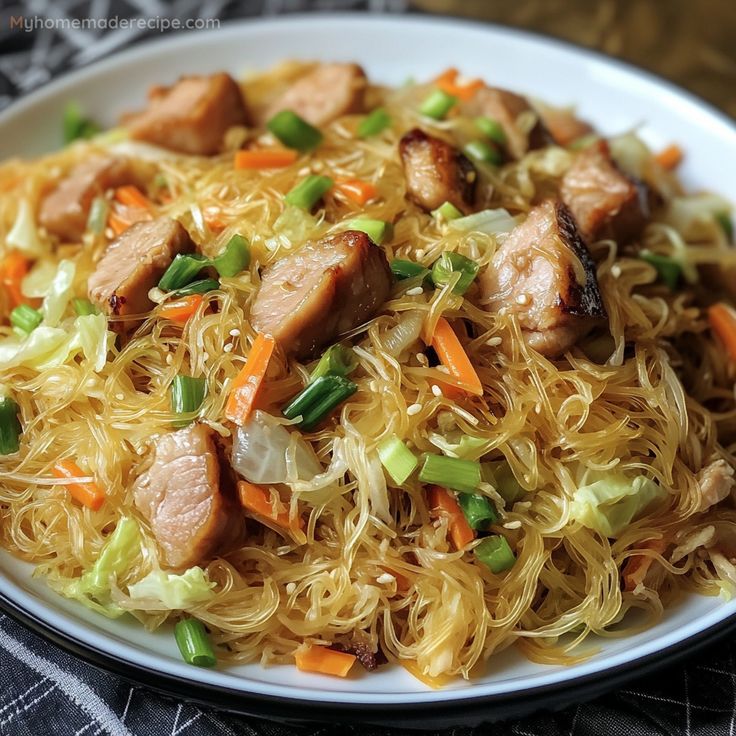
(654, 398)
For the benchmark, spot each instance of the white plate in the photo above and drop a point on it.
(615, 97)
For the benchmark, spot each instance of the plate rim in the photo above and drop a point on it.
(403, 712)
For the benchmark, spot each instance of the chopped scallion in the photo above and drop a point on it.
(479, 511)
(449, 263)
(193, 643)
(668, 270)
(187, 394)
(293, 131)
(235, 258)
(10, 428)
(318, 399)
(84, 307)
(377, 230)
(75, 125)
(376, 122)
(724, 220)
(25, 318)
(495, 553)
(491, 129)
(485, 152)
(309, 191)
(404, 269)
(399, 461)
(499, 474)
(202, 286)
(447, 212)
(437, 104)
(182, 271)
(337, 360)
(451, 472)
(97, 215)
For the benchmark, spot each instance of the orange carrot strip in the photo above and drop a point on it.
(359, 191)
(13, 270)
(722, 320)
(88, 494)
(441, 500)
(182, 309)
(636, 567)
(254, 158)
(324, 660)
(433, 681)
(258, 501)
(447, 82)
(670, 157)
(117, 224)
(212, 219)
(132, 197)
(248, 381)
(454, 358)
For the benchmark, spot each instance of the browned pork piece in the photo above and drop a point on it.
(134, 263)
(65, 210)
(326, 288)
(506, 108)
(436, 172)
(563, 125)
(192, 116)
(605, 202)
(715, 482)
(186, 497)
(544, 275)
(324, 94)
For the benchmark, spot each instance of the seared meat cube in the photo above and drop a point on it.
(605, 202)
(187, 499)
(326, 288)
(436, 172)
(134, 263)
(544, 275)
(192, 116)
(324, 94)
(65, 210)
(563, 125)
(506, 108)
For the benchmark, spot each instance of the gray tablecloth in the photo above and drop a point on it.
(44, 690)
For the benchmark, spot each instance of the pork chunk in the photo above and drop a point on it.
(134, 263)
(605, 202)
(563, 125)
(506, 108)
(715, 482)
(545, 276)
(326, 288)
(192, 116)
(186, 497)
(436, 172)
(324, 94)
(65, 210)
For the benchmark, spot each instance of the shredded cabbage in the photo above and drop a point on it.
(59, 293)
(490, 222)
(610, 504)
(38, 281)
(631, 154)
(23, 235)
(176, 592)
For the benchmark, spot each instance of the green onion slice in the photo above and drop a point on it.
(491, 129)
(25, 318)
(376, 122)
(378, 231)
(669, 271)
(437, 104)
(194, 643)
(84, 307)
(399, 461)
(449, 263)
(293, 131)
(478, 510)
(10, 429)
(97, 215)
(234, 258)
(337, 360)
(726, 223)
(75, 125)
(318, 399)
(202, 286)
(451, 472)
(485, 152)
(495, 553)
(447, 212)
(182, 271)
(403, 269)
(309, 191)
(187, 394)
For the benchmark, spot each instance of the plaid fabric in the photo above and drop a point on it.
(44, 690)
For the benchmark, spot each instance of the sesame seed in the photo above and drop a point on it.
(385, 578)
(615, 270)
(422, 359)
(443, 369)
(228, 347)
(120, 397)
(290, 588)
(416, 291)
(537, 408)
(413, 409)
(373, 386)
(522, 299)
(516, 524)
(235, 332)
(493, 341)
(169, 358)
(205, 357)
(419, 253)
(436, 390)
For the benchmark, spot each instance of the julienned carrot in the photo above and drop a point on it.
(265, 158)
(450, 351)
(433, 681)
(447, 82)
(669, 158)
(248, 381)
(88, 494)
(722, 320)
(212, 219)
(117, 224)
(324, 660)
(636, 567)
(13, 270)
(258, 501)
(182, 309)
(359, 191)
(132, 197)
(442, 500)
